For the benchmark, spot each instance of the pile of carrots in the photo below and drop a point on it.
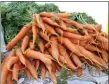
(51, 42)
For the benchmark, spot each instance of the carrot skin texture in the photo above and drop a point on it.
(9, 78)
(18, 37)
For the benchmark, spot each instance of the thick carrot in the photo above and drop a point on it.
(35, 32)
(50, 29)
(18, 37)
(37, 55)
(16, 69)
(41, 46)
(59, 31)
(79, 71)
(11, 54)
(37, 64)
(31, 45)
(28, 74)
(63, 53)
(102, 39)
(53, 77)
(104, 55)
(43, 71)
(44, 36)
(75, 36)
(89, 27)
(9, 78)
(32, 69)
(12, 61)
(25, 43)
(4, 74)
(46, 14)
(76, 60)
(40, 22)
(69, 29)
(62, 59)
(49, 21)
(72, 22)
(20, 55)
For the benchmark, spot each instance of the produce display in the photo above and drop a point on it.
(53, 41)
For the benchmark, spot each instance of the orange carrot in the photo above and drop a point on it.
(37, 64)
(21, 56)
(46, 14)
(65, 54)
(58, 67)
(25, 43)
(4, 74)
(50, 29)
(53, 77)
(102, 39)
(53, 67)
(79, 71)
(76, 60)
(62, 25)
(43, 71)
(69, 29)
(72, 22)
(16, 69)
(105, 56)
(40, 22)
(64, 15)
(28, 74)
(12, 61)
(32, 69)
(35, 32)
(59, 31)
(44, 36)
(49, 21)
(75, 36)
(37, 55)
(31, 45)
(9, 78)
(11, 54)
(18, 37)
(89, 27)
(41, 46)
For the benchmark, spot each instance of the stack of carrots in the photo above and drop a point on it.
(52, 42)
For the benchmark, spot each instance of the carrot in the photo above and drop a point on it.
(43, 71)
(31, 68)
(12, 61)
(76, 60)
(102, 39)
(62, 25)
(44, 36)
(50, 29)
(37, 55)
(65, 54)
(41, 46)
(11, 54)
(46, 14)
(47, 45)
(9, 78)
(69, 29)
(25, 43)
(62, 59)
(58, 67)
(98, 27)
(37, 64)
(16, 69)
(31, 46)
(18, 37)
(59, 31)
(35, 32)
(4, 74)
(28, 74)
(79, 71)
(72, 22)
(75, 36)
(104, 55)
(53, 67)
(40, 22)
(49, 21)
(64, 15)
(53, 77)
(89, 27)
(21, 56)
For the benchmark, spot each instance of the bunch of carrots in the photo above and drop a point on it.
(61, 43)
